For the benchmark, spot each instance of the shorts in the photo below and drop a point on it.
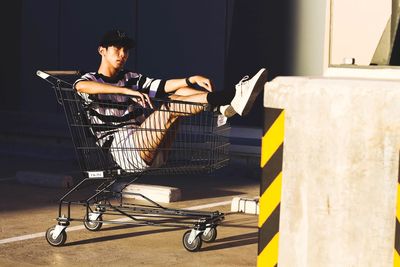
(125, 152)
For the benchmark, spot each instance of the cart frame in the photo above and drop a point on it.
(106, 201)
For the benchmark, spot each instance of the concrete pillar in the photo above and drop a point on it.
(340, 166)
(311, 27)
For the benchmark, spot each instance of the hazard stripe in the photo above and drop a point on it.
(270, 200)
(397, 237)
(396, 252)
(268, 229)
(272, 139)
(269, 256)
(272, 169)
(270, 187)
(398, 203)
(396, 261)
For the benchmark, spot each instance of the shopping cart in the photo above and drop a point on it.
(194, 144)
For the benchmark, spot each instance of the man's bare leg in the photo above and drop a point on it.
(153, 131)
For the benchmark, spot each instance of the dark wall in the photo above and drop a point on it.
(180, 38)
(64, 35)
(223, 39)
(10, 67)
(261, 37)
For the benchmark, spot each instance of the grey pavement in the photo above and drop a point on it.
(27, 210)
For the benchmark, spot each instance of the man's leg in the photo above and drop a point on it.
(154, 131)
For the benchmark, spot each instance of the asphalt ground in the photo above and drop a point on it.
(26, 211)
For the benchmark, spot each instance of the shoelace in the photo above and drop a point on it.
(242, 82)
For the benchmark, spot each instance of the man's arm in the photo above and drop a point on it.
(175, 84)
(92, 87)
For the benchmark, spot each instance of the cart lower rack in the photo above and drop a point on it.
(169, 137)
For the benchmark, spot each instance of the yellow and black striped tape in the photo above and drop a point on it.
(396, 261)
(271, 186)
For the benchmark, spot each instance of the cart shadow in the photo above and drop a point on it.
(245, 222)
(222, 243)
(119, 236)
(232, 224)
(232, 241)
(239, 223)
(130, 226)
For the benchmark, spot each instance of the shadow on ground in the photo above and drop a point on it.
(224, 182)
(238, 240)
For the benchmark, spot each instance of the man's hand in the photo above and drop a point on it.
(202, 82)
(142, 99)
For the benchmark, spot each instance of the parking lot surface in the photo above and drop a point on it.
(26, 211)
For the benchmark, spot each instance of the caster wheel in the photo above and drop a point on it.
(194, 246)
(93, 225)
(210, 236)
(59, 241)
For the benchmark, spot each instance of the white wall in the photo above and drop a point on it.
(356, 28)
(328, 31)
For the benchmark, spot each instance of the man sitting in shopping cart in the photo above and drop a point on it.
(112, 83)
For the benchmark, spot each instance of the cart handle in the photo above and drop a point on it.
(47, 73)
(54, 81)
(62, 72)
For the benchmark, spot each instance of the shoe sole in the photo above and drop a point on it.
(257, 89)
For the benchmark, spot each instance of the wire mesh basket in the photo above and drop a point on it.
(194, 143)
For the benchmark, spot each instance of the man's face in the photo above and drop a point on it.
(116, 56)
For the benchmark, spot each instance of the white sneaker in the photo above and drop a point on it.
(247, 91)
(227, 111)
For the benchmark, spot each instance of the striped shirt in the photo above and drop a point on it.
(108, 112)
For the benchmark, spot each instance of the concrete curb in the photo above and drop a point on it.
(157, 193)
(245, 205)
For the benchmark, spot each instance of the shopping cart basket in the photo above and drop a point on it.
(193, 144)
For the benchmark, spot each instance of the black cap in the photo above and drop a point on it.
(116, 38)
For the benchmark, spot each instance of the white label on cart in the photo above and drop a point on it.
(95, 174)
(221, 120)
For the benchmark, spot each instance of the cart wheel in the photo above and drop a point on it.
(210, 236)
(93, 225)
(59, 241)
(196, 244)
